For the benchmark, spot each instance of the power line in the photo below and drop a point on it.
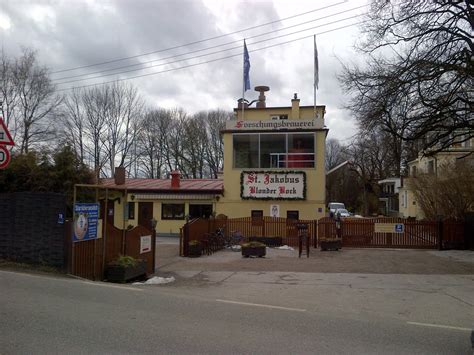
(200, 41)
(207, 54)
(209, 61)
(142, 65)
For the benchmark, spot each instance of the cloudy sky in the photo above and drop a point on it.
(77, 33)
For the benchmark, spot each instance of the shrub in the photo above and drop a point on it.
(253, 245)
(126, 261)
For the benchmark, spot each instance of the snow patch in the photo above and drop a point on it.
(285, 247)
(156, 280)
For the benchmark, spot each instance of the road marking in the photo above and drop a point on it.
(113, 286)
(440, 326)
(75, 279)
(262, 305)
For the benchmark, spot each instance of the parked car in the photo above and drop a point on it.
(342, 212)
(333, 206)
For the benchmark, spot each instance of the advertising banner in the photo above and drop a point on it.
(268, 185)
(86, 216)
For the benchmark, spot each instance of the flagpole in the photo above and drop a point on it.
(243, 83)
(315, 68)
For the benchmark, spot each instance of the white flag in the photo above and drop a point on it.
(316, 65)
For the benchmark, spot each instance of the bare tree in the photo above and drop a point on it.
(448, 193)
(334, 154)
(29, 98)
(150, 142)
(74, 116)
(124, 107)
(418, 82)
(215, 123)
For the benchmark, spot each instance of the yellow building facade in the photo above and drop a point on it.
(273, 166)
(278, 154)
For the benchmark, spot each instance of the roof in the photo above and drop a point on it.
(278, 108)
(164, 185)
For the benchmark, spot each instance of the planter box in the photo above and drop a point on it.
(254, 251)
(268, 241)
(331, 244)
(195, 251)
(118, 273)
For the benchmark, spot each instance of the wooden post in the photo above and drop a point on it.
(153, 247)
(94, 276)
(104, 228)
(315, 233)
(72, 227)
(440, 234)
(124, 235)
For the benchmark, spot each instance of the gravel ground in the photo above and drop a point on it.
(346, 260)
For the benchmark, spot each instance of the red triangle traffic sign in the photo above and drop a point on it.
(5, 137)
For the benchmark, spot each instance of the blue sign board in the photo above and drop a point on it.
(399, 228)
(86, 216)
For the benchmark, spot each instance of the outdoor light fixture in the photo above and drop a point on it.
(153, 222)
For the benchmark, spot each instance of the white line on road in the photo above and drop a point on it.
(114, 286)
(440, 326)
(62, 279)
(263, 305)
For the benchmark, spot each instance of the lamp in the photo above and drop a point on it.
(153, 222)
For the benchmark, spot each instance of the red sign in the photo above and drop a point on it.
(4, 157)
(5, 137)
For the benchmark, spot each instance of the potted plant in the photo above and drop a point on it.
(125, 268)
(254, 249)
(195, 249)
(330, 244)
(268, 241)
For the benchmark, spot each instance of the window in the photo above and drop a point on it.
(300, 151)
(246, 151)
(200, 211)
(172, 211)
(131, 210)
(293, 215)
(431, 167)
(274, 150)
(271, 145)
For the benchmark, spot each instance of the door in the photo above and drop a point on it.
(145, 214)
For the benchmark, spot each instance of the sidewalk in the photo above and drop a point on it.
(347, 260)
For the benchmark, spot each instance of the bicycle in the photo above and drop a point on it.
(235, 239)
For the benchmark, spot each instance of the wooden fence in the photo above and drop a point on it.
(89, 258)
(360, 233)
(416, 234)
(199, 229)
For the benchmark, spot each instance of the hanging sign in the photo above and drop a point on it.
(272, 185)
(86, 216)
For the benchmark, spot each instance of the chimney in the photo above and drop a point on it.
(119, 175)
(261, 98)
(295, 107)
(241, 102)
(175, 179)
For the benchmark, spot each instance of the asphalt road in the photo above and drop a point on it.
(43, 314)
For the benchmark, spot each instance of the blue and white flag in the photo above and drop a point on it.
(316, 65)
(246, 68)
